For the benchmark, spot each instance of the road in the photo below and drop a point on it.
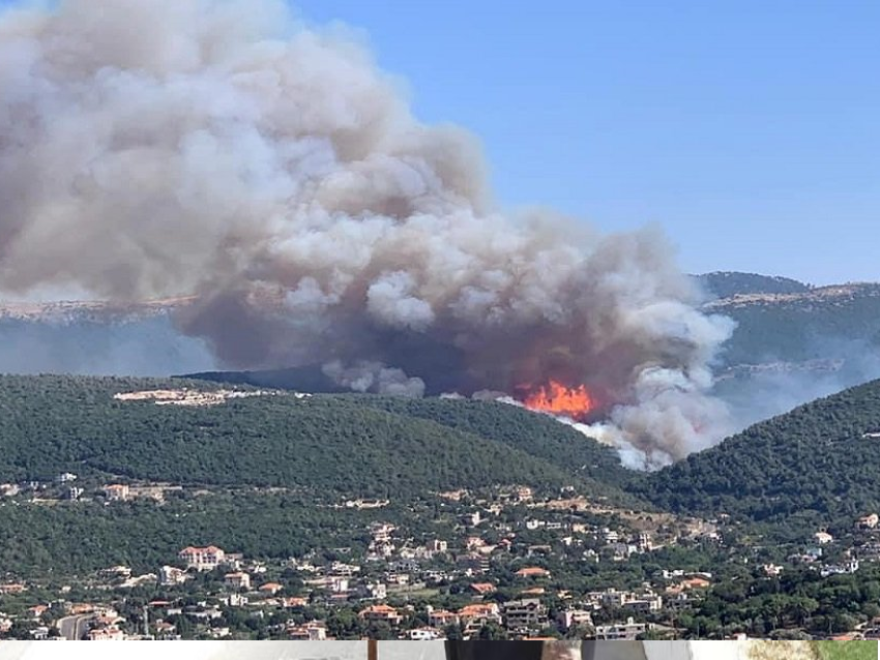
(74, 627)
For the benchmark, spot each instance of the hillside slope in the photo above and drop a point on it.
(725, 284)
(537, 435)
(822, 323)
(328, 444)
(818, 462)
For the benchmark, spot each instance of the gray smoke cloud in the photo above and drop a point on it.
(374, 377)
(153, 148)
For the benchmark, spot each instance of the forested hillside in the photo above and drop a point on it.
(824, 323)
(334, 444)
(819, 462)
(538, 435)
(70, 538)
(724, 284)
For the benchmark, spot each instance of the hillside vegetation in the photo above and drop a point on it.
(823, 323)
(70, 538)
(538, 435)
(346, 445)
(816, 462)
(725, 284)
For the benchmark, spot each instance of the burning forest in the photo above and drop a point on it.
(219, 149)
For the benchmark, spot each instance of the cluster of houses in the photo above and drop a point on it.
(500, 570)
(396, 569)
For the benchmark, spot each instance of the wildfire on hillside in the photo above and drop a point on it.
(557, 399)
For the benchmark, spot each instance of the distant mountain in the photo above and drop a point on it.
(781, 320)
(793, 342)
(820, 323)
(95, 311)
(726, 284)
(97, 338)
(817, 464)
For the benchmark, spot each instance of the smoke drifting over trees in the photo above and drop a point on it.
(156, 148)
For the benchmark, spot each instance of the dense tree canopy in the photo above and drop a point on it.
(818, 463)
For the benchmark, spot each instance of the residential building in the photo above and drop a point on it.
(239, 581)
(314, 631)
(271, 588)
(526, 614)
(117, 492)
(108, 634)
(574, 618)
(629, 630)
(483, 588)
(202, 559)
(381, 613)
(475, 616)
(441, 618)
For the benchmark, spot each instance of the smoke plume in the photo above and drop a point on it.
(153, 148)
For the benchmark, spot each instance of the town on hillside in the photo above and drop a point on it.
(505, 564)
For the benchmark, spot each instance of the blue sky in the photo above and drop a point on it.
(748, 129)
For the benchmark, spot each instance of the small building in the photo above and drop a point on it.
(622, 631)
(239, 581)
(483, 588)
(575, 617)
(271, 588)
(823, 538)
(313, 631)
(381, 614)
(441, 618)
(108, 634)
(117, 492)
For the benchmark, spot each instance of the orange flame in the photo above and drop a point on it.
(557, 399)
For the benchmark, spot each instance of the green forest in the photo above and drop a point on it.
(781, 479)
(325, 443)
(816, 464)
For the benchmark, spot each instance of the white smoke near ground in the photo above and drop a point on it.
(154, 148)
(374, 377)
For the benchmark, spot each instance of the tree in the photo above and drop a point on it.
(492, 631)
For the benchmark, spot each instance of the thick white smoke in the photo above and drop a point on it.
(172, 147)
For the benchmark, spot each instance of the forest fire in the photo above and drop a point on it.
(557, 399)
